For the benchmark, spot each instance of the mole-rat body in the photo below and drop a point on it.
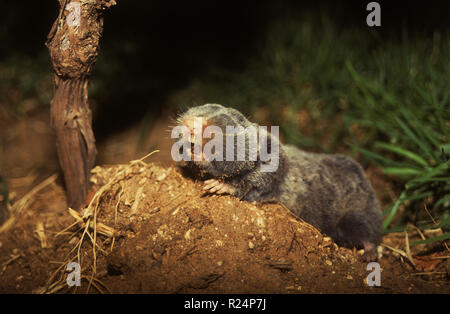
(330, 192)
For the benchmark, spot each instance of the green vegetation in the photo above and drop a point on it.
(25, 83)
(386, 98)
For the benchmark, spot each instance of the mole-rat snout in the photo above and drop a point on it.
(195, 127)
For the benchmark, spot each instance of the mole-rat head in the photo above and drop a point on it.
(213, 114)
(197, 119)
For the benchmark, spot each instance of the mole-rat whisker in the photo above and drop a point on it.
(174, 119)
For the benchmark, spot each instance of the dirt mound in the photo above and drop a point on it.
(172, 238)
(156, 232)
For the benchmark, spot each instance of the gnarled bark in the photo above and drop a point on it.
(73, 44)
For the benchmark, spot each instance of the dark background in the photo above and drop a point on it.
(151, 48)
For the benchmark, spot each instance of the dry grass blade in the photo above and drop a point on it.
(402, 253)
(96, 283)
(137, 199)
(408, 249)
(100, 227)
(12, 259)
(57, 286)
(115, 215)
(439, 257)
(41, 234)
(18, 207)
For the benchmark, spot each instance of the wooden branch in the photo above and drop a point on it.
(73, 44)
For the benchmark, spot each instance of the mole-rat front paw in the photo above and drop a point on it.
(217, 187)
(370, 252)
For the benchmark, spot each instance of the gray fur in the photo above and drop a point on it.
(330, 192)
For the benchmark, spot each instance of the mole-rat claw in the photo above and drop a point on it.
(217, 187)
(370, 253)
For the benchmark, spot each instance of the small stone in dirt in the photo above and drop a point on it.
(187, 235)
(380, 251)
(161, 177)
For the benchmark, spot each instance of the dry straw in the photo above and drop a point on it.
(90, 227)
(18, 208)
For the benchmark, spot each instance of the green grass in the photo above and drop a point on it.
(26, 83)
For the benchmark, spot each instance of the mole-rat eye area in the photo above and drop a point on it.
(237, 116)
(182, 152)
(213, 106)
(222, 120)
(205, 111)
